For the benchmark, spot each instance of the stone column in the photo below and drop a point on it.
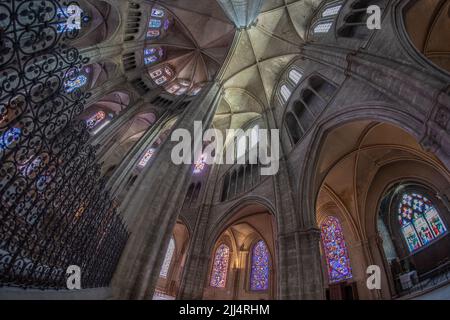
(241, 269)
(300, 266)
(195, 271)
(152, 207)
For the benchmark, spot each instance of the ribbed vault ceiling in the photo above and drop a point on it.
(260, 55)
(197, 41)
(242, 12)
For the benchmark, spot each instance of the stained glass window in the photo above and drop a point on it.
(326, 20)
(95, 119)
(76, 83)
(149, 51)
(180, 87)
(166, 24)
(173, 88)
(154, 23)
(9, 137)
(200, 165)
(335, 250)
(295, 76)
(259, 275)
(195, 91)
(161, 80)
(153, 33)
(331, 11)
(167, 259)
(182, 90)
(162, 75)
(152, 55)
(156, 73)
(157, 24)
(285, 93)
(169, 71)
(32, 167)
(146, 157)
(63, 15)
(150, 60)
(323, 27)
(419, 220)
(157, 13)
(220, 267)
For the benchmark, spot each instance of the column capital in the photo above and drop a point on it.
(310, 232)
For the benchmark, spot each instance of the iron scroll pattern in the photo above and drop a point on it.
(54, 208)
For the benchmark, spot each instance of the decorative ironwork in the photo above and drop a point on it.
(54, 208)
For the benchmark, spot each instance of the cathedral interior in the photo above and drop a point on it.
(92, 91)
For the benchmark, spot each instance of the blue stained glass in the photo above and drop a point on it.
(149, 51)
(152, 55)
(60, 27)
(335, 250)
(220, 267)
(158, 13)
(76, 83)
(150, 59)
(154, 23)
(166, 24)
(9, 137)
(259, 276)
(63, 14)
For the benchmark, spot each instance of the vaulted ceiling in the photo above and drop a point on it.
(198, 46)
(241, 12)
(196, 42)
(259, 57)
(428, 25)
(360, 157)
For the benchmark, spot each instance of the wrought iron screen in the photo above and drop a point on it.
(54, 209)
